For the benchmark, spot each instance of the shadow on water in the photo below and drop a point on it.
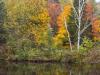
(48, 69)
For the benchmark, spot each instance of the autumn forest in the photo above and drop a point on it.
(50, 30)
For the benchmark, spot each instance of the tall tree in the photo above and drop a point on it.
(54, 9)
(2, 19)
(2, 30)
(79, 13)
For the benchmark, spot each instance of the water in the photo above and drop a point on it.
(48, 69)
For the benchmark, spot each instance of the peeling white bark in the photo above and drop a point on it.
(78, 15)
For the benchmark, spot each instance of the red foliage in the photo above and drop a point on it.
(88, 12)
(54, 10)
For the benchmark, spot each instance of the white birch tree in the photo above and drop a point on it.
(66, 26)
(79, 15)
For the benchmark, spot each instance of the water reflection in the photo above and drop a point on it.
(48, 69)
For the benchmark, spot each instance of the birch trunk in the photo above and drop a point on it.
(68, 35)
(79, 25)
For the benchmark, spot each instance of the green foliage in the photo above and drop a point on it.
(86, 45)
(2, 20)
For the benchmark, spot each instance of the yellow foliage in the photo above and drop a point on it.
(43, 16)
(40, 31)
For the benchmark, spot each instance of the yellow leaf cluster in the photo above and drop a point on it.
(40, 31)
(43, 17)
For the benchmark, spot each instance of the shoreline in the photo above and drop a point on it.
(47, 61)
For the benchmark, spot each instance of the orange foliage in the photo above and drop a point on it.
(62, 32)
(96, 29)
(64, 15)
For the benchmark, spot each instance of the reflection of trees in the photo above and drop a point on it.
(84, 69)
(48, 69)
(3, 69)
(36, 69)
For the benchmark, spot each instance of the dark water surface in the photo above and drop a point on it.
(48, 69)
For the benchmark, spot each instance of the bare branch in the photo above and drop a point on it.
(82, 7)
(76, 13)
(82, 31)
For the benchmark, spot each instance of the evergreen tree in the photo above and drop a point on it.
(2, 17)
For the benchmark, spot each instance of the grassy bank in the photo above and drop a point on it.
(37, 55)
